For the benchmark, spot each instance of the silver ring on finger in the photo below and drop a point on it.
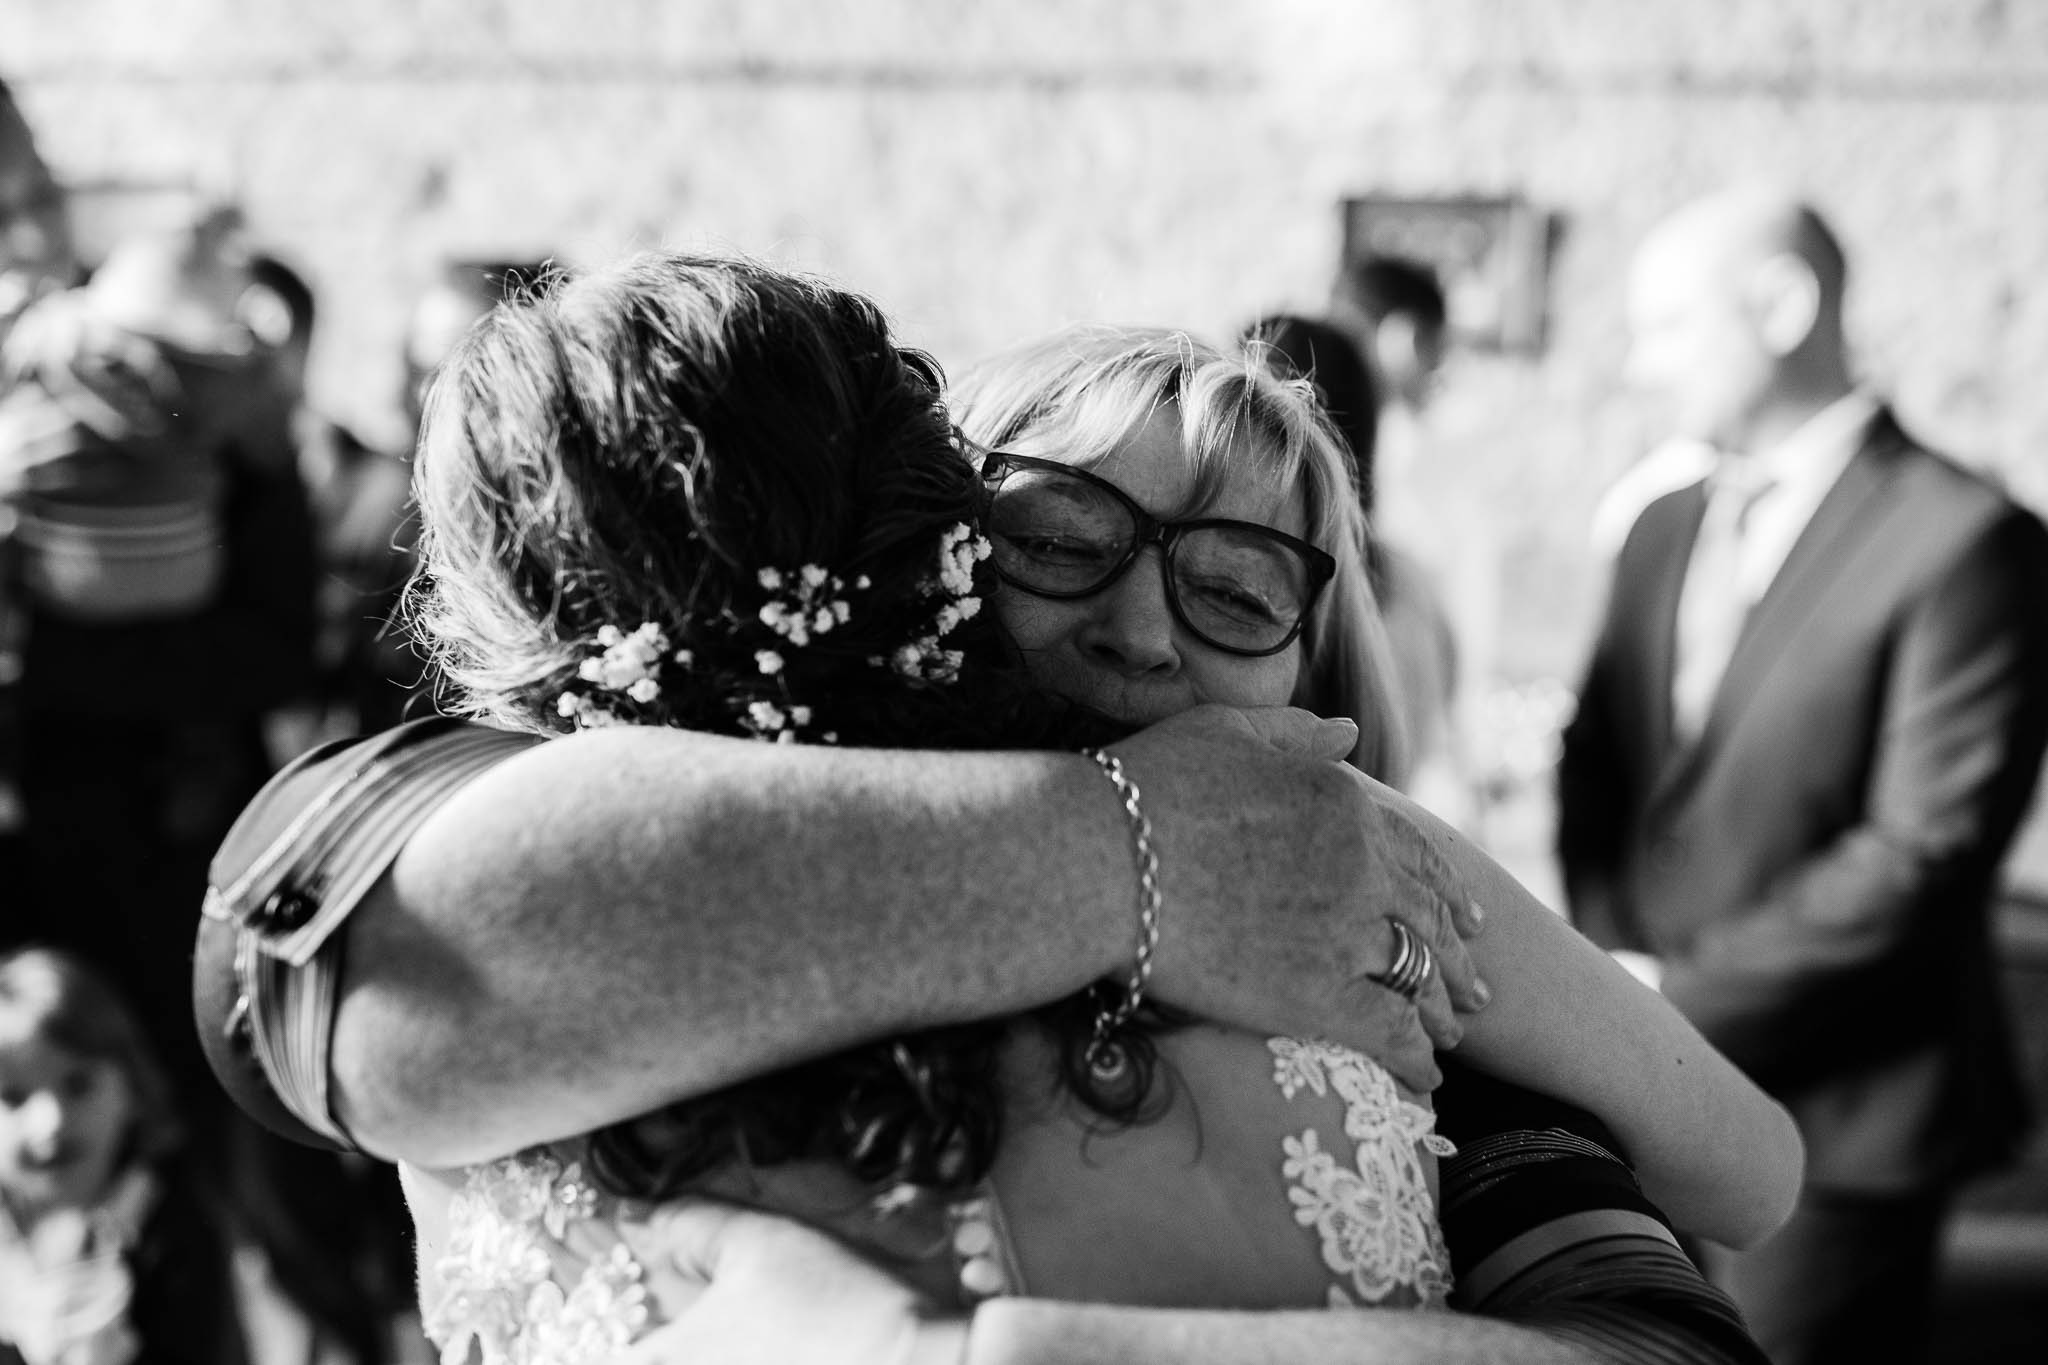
(1411, 965)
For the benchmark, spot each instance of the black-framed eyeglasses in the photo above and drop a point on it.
(1063, 533)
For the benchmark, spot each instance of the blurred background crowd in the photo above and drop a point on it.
(299, 207)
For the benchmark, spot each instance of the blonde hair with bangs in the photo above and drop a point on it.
(1083, 392)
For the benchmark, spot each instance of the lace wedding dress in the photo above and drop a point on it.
(1281, 1173)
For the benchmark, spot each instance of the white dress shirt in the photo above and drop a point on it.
(1795, 475)
(1802, 468)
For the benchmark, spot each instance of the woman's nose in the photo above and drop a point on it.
(1132, 628)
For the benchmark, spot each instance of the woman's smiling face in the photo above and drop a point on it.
(1122, 651)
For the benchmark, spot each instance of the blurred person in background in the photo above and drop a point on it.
(1395, 312)
(156, 611)
(158, 598)
(35, 258)
(360, 497)
(114, 1248)
(1422, 648)
(1812, 720)
(35, 231)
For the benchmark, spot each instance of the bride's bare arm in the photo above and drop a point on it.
(612, 921)
(774, 1290)
(1719, 1156)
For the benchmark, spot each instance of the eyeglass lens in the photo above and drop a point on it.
(1062, 535)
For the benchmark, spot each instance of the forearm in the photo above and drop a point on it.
(620, 919)
(1041, 1332)
(1717, 1154)
(579, 935)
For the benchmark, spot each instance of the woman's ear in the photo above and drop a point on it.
(1784, 296)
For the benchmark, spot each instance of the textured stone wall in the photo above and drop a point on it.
(990, 170)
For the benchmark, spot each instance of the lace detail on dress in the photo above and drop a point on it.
(1375, 1216)
(516, 1230)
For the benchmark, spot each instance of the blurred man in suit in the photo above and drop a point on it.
(1812, 720)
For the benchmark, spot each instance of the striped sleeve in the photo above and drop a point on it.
(267, 966)
(1548, 1228)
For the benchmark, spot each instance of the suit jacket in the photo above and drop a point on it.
(1816, 869)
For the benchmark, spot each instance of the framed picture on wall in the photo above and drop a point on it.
(1490, 253)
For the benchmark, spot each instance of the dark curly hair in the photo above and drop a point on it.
(636, 446)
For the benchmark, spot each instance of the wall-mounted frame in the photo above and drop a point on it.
(1491, 253)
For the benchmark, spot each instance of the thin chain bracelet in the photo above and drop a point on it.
(1107, 1020)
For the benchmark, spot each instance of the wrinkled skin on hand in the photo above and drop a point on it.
(1307, 863)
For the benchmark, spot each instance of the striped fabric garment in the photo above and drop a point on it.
(1554, 1233)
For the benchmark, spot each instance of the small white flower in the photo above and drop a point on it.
(649, 641)
(590, 670)
(609, 635)
(813, 575)
(771, 580)
(863, 582)
(567, 704)
(684, 657)
(768, 661)
(644, 691)
(823, 620)
(799, 716)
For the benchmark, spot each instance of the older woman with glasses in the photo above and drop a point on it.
(697, 493)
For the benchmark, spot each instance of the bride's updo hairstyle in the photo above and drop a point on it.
(701, 492)
(1080, 394)
(658, 443)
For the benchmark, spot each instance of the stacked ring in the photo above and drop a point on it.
(1412, 964)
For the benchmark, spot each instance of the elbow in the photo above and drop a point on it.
(424, 1079)
(395, 1102)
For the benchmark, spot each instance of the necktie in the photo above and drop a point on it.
(1714, 601)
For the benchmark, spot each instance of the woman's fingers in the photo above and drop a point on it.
(1290, 730)
(1441, 909)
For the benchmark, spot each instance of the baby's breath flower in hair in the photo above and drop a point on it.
(813, 606)
(627, 670)
(925, 660)
(626, 679)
